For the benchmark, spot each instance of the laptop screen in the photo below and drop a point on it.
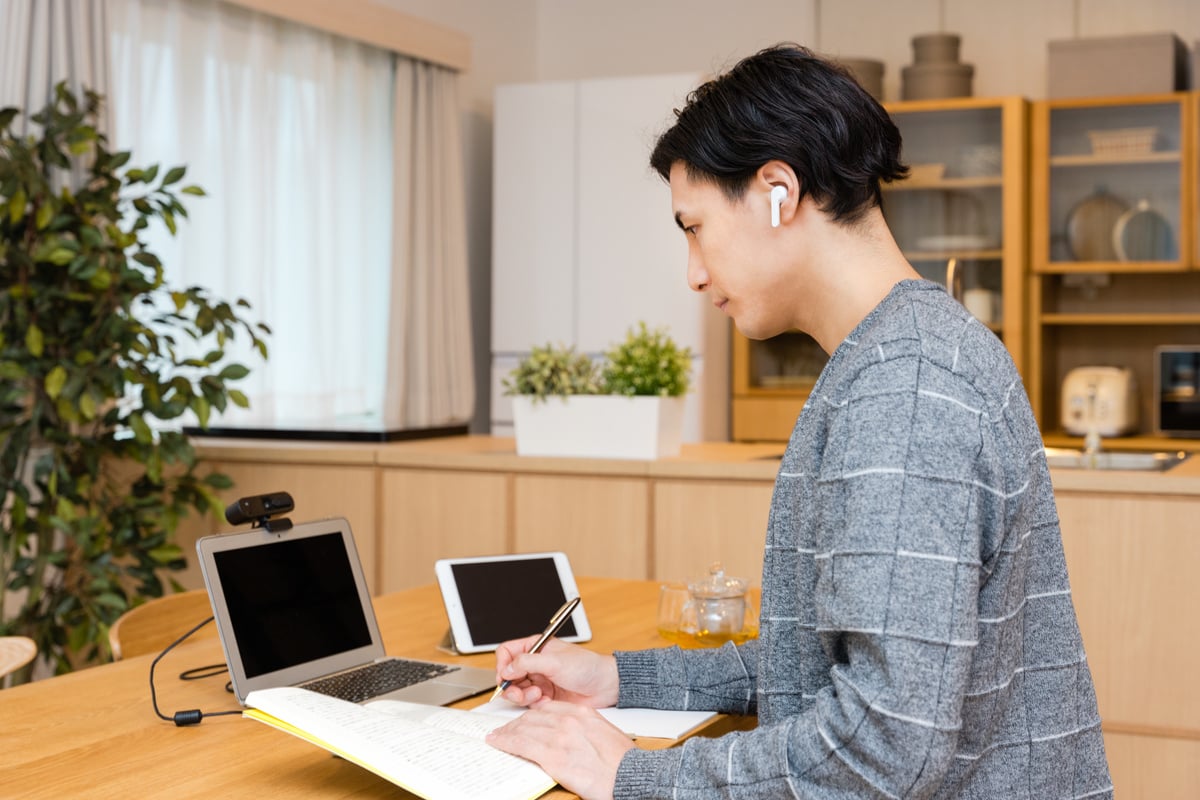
(292, 601)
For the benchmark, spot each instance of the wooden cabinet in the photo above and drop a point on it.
(600, 522)
(699, 522)
(1132, 564)
(432, 514)
(1114, 252)
(960, 218)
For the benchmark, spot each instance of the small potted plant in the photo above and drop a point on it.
(629, 406)
(553, 370)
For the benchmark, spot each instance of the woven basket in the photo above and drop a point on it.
(1123, 141)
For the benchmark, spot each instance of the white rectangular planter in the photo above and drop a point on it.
(599, 426)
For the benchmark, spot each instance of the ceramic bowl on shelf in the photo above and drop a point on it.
(1090, 226)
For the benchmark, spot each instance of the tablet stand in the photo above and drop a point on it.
(446, 645)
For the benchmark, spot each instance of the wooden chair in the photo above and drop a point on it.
(15, 652)
(153, 625)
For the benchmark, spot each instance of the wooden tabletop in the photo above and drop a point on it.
(93, 733)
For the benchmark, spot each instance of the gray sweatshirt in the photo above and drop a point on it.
(917, 636)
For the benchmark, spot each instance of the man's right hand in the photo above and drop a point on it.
(561, 671)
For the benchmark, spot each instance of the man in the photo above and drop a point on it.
(917, 636)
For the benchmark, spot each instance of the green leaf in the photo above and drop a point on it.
(165, 554)
(90, 236)
(238, 399)
(200, 405)
(234, 372)
(16, 205)
(141, 431)
(194, 190)
(169, 219)
(101, 280)
(87, 406)
(45, 213)
(174, 175)
(54, 382)
(64, 509)
(112, 600)
(34, 341)
(60, 256)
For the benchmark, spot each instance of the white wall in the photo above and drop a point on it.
(521, 40)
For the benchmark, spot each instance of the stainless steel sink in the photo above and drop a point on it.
(1147, 461)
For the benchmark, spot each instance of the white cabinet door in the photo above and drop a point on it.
(632, 261)
(533, 218)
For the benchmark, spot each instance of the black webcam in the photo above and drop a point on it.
(259, 509)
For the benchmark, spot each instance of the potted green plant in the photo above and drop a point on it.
(633, 409)
(94, 351)
(553, 369)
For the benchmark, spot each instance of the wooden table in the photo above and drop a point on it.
(93, 733)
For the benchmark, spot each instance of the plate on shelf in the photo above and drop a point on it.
(1090, 226)
(1143, 234)
(956, 242)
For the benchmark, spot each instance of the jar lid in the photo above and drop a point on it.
(717, 584)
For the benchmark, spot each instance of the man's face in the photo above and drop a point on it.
(734, 254)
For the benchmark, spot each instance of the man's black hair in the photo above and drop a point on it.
(789, 104)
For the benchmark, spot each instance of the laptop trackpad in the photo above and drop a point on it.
(430, 693)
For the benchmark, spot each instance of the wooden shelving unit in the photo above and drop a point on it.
(1111, 312)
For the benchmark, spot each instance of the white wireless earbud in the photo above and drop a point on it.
(778, 194)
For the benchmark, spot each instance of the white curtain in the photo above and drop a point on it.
(335, 193)
(44, 42)
(430, 379)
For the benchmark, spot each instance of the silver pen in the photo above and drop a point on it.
(560, 617)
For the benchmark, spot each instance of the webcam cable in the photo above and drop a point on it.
(194, 715)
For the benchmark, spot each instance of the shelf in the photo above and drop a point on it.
(1137, 442)
(1091, 160)
(1119, 319)
(965, 255)
(794, 390)
(1064, 267)
(946, 184)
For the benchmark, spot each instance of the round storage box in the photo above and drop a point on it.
(868, 72)
(936, 81)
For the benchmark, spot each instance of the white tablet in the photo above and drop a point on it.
(491, 599)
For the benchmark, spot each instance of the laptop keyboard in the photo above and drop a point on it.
(372, 680)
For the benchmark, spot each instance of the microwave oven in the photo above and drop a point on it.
(1177, 390)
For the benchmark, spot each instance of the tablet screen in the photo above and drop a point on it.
(509, 599)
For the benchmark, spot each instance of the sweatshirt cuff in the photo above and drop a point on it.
(640, 673)
(644, 773)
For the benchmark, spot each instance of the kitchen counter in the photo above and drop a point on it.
(706, 460)
(712, 460)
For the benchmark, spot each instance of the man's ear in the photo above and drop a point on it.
(778, 182)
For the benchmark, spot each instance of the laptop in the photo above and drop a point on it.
(292, 608)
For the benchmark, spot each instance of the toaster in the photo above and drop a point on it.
(1100, 399)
